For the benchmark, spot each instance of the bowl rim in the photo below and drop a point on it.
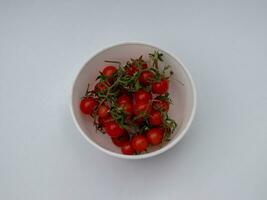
(146, 155)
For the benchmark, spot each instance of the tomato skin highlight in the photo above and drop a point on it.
(124, 99)
(155, 118)
(160, 87)
(141, 108)
(109, 71)
(127, 149)
(87, 105)
(139, 143)
(154, 136)
(142, 95)
(113, 129)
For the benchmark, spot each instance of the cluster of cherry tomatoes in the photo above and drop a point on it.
(132, 115)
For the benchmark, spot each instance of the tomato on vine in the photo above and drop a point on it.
(141, 108)
(130, 104)
(127, 107)
(109, 71)
(103, 111)
(146, 77)
(154, 136)
(127, 149)
(139, 143)
(113, 129)
(88, 105)
(160, 87)
(121, 140)
(144, 65)
(131, 70)
(103, 121)
(124, 99)
(142, 95)
(102, 86)
(162, 105)
(155, 118)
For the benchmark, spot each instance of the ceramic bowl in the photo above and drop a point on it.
(184, 96)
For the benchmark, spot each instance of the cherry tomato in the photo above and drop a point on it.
(103, 111)
(102, 86)
(160, 87)
(119, 141)
(141, 108)
(142, 95)
(109, 71)
(125, 103)
(130, 70)
(144, 65)
(154, 136)
(127, 149)
(113, 129)
(155, 118)
(146, 77)
(161, 105)
(124, 99)
(87, 105)
(139, 143)
(127, 108)
(105, 120)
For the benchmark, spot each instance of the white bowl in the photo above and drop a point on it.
(184, 96)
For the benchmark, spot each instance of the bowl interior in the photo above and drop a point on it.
(182, 95)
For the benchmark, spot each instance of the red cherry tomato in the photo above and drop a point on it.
(87, 105)
(125, 103)
(146, 77)
(154, 136)
(124, 99)
(119, 141)
(127, 149)
(160, 87)
(141, 108)
(105, 120)
(155, 118)
(130, 70)
(109, 71)
(142, 95)
(127, 108)
(161, 105)
(139, 143)
(103, 111)
(102, 86)
(144, 65)
(113, 129)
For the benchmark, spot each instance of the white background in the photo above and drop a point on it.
(42, 46)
